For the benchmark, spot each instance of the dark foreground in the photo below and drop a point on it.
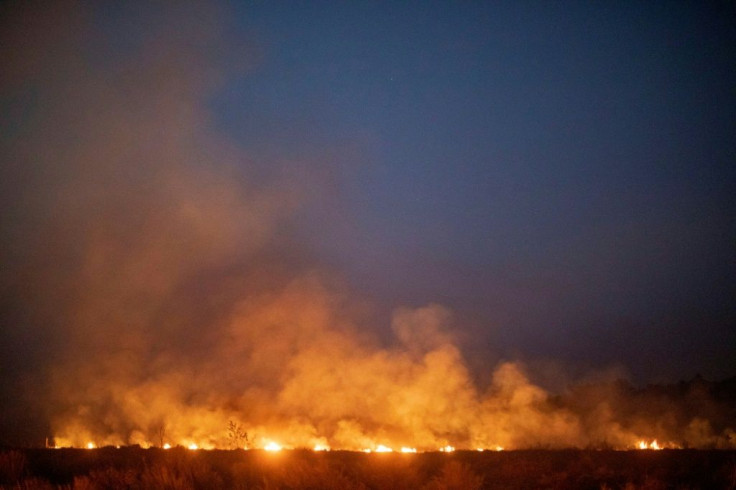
(178, 468)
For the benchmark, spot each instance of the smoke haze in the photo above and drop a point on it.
(156, 284)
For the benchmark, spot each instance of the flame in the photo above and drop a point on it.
(273, 446)
(652, 445)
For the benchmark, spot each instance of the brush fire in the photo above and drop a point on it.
(180, 302)
(335, 389)
(337, 394)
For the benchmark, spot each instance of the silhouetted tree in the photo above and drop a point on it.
(237, 435)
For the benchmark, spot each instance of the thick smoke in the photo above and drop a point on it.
(155, 289)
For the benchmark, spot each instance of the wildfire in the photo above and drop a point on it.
(273, 446)
(652, 445)
(319, 444)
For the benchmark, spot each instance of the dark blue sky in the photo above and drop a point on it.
(560, 174)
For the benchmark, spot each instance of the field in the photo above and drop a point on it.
(178, 468)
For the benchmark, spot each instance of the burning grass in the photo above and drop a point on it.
(179, 468)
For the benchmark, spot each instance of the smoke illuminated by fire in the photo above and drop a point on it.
(513, 413)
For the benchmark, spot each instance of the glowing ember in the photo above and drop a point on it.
(367, 450)
(167, 446)
(447, 449)
(91, 445)
(383, 449)
(498, 448)
(480, 449)
(408, 449)
(273, 446)
(193, 446)
(320, 447)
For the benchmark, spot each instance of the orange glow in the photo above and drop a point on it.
(273, 446)
(652, 445)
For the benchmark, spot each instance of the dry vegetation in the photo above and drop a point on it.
(178, 468)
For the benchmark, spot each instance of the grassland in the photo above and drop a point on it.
(178, 468)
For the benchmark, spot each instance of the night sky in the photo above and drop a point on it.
(559, 176)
